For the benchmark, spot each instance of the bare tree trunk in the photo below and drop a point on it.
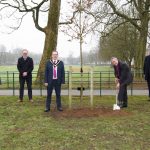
(51, 34)
(141, 49)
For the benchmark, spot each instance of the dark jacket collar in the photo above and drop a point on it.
(58, 61)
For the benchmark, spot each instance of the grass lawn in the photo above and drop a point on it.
(24, 126)
(76, 68)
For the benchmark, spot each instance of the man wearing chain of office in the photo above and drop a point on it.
(54, 77)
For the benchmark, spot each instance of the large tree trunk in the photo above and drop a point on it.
(51, 34)
(141, 49)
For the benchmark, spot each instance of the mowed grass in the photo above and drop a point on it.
(24, 126)
(76, 68)
(13, 68)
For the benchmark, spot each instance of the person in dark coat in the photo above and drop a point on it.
(123, 77)
(54, 77)
(146, 71)
(25, 67)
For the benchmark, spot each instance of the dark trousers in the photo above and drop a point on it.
(122, 96)
(57, 88)
(148, 84)
(22, 81)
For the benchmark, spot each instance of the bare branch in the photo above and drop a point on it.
(113, 29)
(21, 6)
(70, 20)
(34, 2)
(35, 15)
(3, 2)
(111, 4)
(17, 27)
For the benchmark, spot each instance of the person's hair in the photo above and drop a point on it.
(54, 51)
(24, 50)
(114, 58)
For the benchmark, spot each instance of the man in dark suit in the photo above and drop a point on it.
(25, 67)
(54, 77)
(123, 77)
(146, 70)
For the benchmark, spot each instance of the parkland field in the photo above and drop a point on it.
(24, 126)
(9, 76)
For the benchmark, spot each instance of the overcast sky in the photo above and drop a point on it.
(27, 36)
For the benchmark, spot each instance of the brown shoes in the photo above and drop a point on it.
(31, 100)
(20, 100)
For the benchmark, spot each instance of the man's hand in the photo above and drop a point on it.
(46, 84)
(24, 74)
(118, 85)
(116, 80)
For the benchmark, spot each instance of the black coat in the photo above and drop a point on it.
(125, 75)
(146, 68)
(25, 66)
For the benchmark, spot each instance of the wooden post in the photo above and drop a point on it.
(70, 87)
(13, 84)
(91, 87)
(7, 79)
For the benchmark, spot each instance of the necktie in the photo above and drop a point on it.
(54, 71)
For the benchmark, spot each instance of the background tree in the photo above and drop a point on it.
(93, 57)
(136, 12)
(19, 8)
(2, 54)
(11, 57)
(121, 43)
(82, 24)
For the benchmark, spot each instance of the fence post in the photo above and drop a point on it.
(100, 84)
(7, 79)
(88, 80)
(109, 78)
(70, 86)
(40, 83)
(13, 84)
(91, 88)
(131, 89)
(68, 83)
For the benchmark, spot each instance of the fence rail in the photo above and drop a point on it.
(102, 80)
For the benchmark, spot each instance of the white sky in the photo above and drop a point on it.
(27, 36)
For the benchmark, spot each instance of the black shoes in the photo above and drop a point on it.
(124, 106)
(48, 110)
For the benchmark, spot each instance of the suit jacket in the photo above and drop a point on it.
(49, 72)
(125, 75)
(25, 66)
(146, 68)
